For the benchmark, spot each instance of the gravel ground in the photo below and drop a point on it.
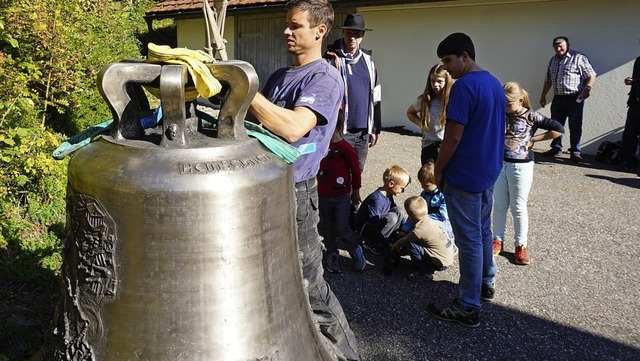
(579, 299)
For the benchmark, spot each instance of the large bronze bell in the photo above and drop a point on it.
(181, 243)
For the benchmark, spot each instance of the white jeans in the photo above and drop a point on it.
(512, 191)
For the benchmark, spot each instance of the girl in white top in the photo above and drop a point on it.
(428, 112)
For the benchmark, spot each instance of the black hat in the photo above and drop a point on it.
(355, 22)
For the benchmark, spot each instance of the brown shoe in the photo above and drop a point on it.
(522, 255)
(497, 247)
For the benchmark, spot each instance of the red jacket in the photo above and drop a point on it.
(339, 171)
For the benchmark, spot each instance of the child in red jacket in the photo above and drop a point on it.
(339, 185)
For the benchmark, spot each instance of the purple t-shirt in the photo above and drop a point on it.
(319, 87)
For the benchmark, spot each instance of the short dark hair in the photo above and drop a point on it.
(320, 11)
(559, 39)
(455, 44)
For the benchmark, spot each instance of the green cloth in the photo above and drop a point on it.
(276, 145)
(81, 139)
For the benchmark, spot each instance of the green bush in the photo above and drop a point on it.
(50, 55)
(32, 187)
(56, 51)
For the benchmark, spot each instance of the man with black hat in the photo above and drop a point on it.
(362, 86)
(572, 76)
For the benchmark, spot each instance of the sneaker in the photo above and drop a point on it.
(522, 255)
(333, 263)
(456, 313)
(576, 157)
(420, 277)
(359, 263)
(487, 292)
(497, 247)
(551, 153)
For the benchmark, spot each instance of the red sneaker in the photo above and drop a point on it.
(522, 255)
(497, 247)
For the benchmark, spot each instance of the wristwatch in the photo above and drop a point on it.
(588, 88)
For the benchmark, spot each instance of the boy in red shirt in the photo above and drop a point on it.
(339, 185)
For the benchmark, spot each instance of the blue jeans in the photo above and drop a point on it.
(563, 107)
(512, 191)
(421, 261)
(324, 304)
(470, 215)
(334, 222)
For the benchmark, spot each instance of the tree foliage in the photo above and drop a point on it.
(62, 47)
(50, 54)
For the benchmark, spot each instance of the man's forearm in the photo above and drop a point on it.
(289, 124)
(450, 142)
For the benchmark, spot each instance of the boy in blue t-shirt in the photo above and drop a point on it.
(469, 163)
(436, 205)
(379, 218)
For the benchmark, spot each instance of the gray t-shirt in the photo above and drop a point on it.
(435, 132)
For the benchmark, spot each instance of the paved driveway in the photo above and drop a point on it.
(578, 300)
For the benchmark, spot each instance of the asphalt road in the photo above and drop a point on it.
(579, 299)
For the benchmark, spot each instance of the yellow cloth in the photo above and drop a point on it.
(206, 84)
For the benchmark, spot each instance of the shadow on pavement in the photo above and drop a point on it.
(627, 181)
(389, 317)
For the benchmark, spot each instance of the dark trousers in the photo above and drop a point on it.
(324, 304)
(431, 151)
(563, 107)
(380, 233)
(421, 261)
(334, 223)
(359, 140)
(630, 134)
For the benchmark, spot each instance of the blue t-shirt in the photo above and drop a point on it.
(477, 101)
(359, 88)
(374, 206)
(436, 205)
(319, 87)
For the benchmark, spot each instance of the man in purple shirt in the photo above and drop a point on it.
(300, 103)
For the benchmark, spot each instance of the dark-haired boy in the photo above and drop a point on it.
(469, 163)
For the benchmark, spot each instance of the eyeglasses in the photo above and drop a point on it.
(354, 33)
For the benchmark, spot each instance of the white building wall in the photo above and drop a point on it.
(513, 41)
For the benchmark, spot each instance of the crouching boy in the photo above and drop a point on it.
(428, 245)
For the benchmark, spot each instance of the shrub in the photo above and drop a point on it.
(32, 186)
